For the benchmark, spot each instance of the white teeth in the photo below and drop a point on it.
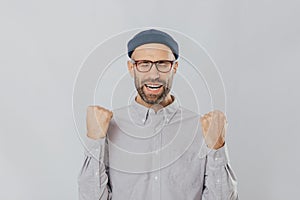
(153, 87)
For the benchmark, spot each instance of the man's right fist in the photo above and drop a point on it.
(97, 121)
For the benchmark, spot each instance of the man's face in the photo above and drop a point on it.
(152, 86)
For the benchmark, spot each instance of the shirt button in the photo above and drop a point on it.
(155, 177)
(216, 159)
(218, 181)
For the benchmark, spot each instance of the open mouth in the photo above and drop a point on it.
(153, 87)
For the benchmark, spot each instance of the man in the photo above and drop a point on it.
(153, 148)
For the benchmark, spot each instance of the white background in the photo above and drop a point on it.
(255, 44)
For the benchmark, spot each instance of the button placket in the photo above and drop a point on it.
(156, 179)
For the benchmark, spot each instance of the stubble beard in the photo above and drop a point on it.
(153, 99)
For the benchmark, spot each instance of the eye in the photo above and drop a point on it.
(163, 63)
(144, 63)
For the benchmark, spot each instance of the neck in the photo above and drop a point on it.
(168, 100)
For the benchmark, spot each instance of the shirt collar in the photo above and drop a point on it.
(141, 113)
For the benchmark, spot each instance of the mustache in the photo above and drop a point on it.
(162, 82)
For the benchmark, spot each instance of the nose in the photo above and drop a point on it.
(153, 73)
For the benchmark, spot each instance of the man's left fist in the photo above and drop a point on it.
(214, 126)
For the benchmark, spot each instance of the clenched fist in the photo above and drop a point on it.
(97, 121)
(214, 126)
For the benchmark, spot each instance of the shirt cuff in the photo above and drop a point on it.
(217, 157)
(94, 148)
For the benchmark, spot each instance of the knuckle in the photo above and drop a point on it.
(99, 108)
(90, 108)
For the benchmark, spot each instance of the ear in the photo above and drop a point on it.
(175, 67)
(130, 67)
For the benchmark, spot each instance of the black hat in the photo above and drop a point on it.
(152, 36)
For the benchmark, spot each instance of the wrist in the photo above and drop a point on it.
(218, 144)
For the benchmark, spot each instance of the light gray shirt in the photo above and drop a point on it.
(150, 155)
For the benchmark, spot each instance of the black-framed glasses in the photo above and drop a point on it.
(163, 66)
